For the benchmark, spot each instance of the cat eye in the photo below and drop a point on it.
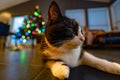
(70, 29)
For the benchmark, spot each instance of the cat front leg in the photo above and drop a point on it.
(59, 69)
(101, 64)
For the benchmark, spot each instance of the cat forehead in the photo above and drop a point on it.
(70, 22)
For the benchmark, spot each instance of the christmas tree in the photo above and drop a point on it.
(33, 25)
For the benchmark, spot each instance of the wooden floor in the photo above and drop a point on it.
(27, 65)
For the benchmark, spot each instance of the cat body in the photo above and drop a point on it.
(62, 46)
(70, 57)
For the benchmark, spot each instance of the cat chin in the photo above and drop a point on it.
(66, 47)
(72, 44)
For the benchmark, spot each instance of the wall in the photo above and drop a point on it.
(5, 17)
(27, 7)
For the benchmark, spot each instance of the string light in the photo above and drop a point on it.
(33, 32)
(29, 31)
(18, 34)
(36, 13)
(28, 37)
(28, 21)
(43, 30)
(40, 16)
(32, 24)
(31, 21)
(24, 40)
(43, 23)
(28, 25)
(23, 36)
(26, 33)
(24, 26)
(43, 26)
(37, 7)
(39, 31)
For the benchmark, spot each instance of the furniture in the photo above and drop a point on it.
(100, 38)
(108, 39)
(4, 32)
(90, 36)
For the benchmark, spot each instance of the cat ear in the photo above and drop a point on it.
(54, 11)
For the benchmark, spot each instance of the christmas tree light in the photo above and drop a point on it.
(23, 36)
(29, 31)
(36, 13)
(32, 24)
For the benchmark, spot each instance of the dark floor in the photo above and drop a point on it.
(27, 65)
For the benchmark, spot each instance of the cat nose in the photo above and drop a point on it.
(82, 38)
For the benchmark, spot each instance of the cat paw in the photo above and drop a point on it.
(116, 68)
(113, 68)
(60, 70)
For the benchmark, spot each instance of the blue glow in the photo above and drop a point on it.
(26, 33)
(43, 30)
(18, 34)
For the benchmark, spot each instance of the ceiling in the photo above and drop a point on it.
(9, 3)
(103, 1)
(4, 4)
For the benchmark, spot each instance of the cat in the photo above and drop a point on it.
(62, 43)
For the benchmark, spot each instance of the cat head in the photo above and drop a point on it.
(61, 30)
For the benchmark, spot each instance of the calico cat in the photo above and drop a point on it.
(62, 46)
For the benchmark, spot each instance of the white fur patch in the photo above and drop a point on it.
(73, 50)
(71, 57)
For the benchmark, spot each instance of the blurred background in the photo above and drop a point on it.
(23, 23)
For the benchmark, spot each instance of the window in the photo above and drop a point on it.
(17, 22)
(98, 18)
(116, 15)
(78, 15)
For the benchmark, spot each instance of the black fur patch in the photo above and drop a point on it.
(61, 30)
(82, 53)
